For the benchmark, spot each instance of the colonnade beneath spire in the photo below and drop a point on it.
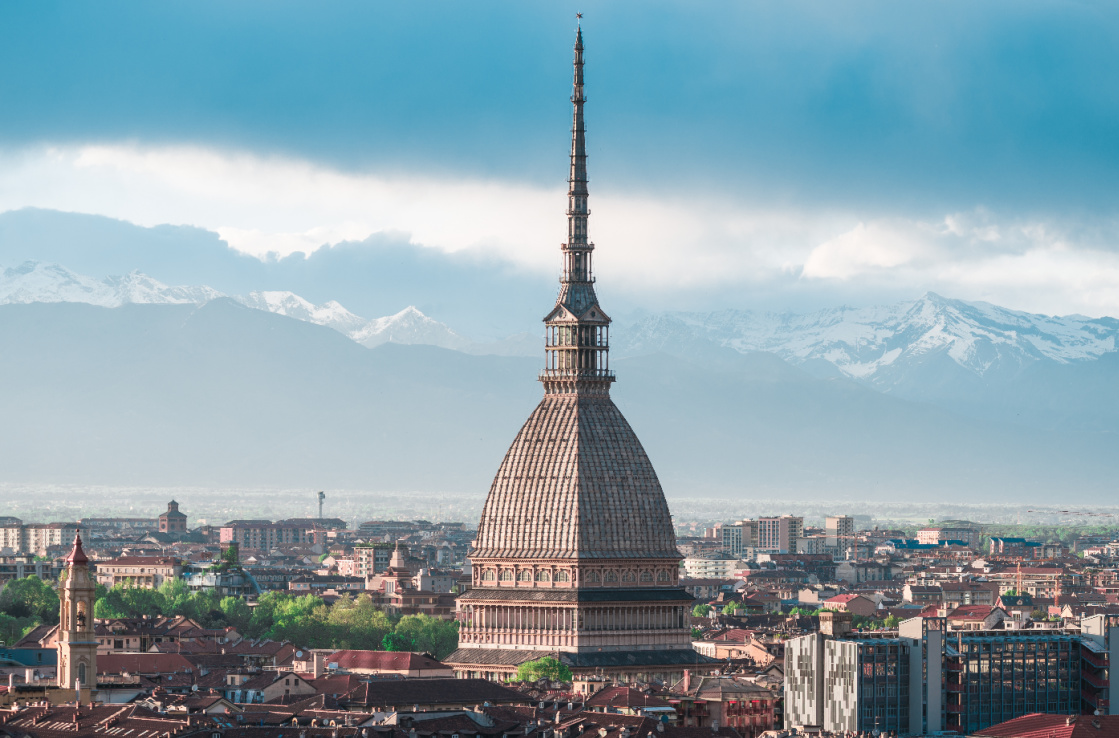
(573, 626)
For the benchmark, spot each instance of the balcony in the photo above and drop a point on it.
(1095, 681)
(1094, 700)
(1095, 659)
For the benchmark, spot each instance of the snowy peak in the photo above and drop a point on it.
(137, 287)
(34, 281)
(409, 326)
(330, 314)
(878, 343)
(38, 282)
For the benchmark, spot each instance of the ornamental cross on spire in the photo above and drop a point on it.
(577, 348)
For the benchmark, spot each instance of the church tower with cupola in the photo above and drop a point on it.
(77, 643)
(575, 555)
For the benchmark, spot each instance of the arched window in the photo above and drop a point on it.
(594, 577)
(524, 575)
(489, 575)
(611, 576)
(81, 674)
(561, 576)
(543, 576)
(629, 577)
(662, 576)
(507, 575)
(646, 576)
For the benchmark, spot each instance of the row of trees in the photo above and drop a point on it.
(304, 620)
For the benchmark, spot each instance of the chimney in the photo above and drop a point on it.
(687, 679)
(835, 623)
(317, 662)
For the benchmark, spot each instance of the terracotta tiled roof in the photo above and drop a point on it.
(140, 561)
(1039, 725)
(382, 660)
(843, 598)
(142, 663)
(623, 696)
(971, 612)
(433, 692)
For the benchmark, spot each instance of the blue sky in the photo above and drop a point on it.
(750, 154)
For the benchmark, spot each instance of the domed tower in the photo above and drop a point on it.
(77, 644)
(576, 555)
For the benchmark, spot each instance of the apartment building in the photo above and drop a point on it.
(34, 538)
(839, 533)
(737, 539)
(147, 572)
(780, 535)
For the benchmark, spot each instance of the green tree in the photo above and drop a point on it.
(696, 634)
(892, 622)
(548, 667)
(397, 642)
(30, 597)
(12, 629)
(237, 613)
(702, 611)
(175, 595)
(358, 623)
(733, 606)
(430, 635)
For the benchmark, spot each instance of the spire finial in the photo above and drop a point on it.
(77, 554)
(577, 344)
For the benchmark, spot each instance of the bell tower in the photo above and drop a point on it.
(77, 644)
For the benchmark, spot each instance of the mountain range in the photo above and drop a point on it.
(126, 380)
(972, 357)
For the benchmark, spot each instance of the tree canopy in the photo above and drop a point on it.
(548, 667)
(30, 597)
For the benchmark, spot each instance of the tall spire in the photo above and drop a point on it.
(577, 346)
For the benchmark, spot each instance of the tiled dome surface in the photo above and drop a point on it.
(576, 483)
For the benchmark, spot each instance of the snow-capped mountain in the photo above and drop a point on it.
(330, 314)
(409, 326)
(37, 282)
(875, 343)
(886, 346)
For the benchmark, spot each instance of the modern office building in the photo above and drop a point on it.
(925, 678)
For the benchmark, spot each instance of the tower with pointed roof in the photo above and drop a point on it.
(77, 643)
(576, 555)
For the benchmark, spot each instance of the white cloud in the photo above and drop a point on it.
(873, 247)
(649, 245)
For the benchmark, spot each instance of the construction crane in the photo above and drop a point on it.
(322, 496)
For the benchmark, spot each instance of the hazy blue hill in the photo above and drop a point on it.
(751, 433)
(225, 395)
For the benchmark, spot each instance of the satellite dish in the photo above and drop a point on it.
(298, 654)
